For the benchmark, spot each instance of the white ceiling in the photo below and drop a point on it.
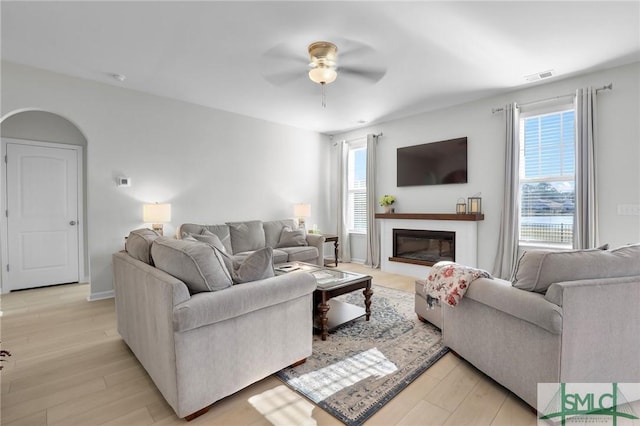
(251, 57)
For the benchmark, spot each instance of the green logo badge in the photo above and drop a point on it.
(586, 403)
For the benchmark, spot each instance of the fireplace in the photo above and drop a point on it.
(463, 226)
(423, 247)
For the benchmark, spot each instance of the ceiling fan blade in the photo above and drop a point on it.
(285, 78)
(284, 52)
(372, 75)
(358, 54)
(283, 65)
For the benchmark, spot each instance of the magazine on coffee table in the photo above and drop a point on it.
(287, 268)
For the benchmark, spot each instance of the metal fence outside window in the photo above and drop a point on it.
(547, 232)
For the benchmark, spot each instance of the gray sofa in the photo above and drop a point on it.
(242, 238)
(200, 345)
(571, 316)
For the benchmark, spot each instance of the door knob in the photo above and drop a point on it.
(73, 222)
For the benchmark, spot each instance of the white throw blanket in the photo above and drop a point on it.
(449, 281)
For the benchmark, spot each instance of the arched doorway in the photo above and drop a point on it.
(45, 142)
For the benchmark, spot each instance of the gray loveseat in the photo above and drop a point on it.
(200, 345)
(570, 316)
(242, 238)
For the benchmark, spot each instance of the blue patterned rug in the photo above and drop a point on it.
(364, 364)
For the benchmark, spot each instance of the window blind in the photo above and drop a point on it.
(547, 178)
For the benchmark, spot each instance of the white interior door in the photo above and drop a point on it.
(42, 216)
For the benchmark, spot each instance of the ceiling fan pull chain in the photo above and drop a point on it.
(324, 96)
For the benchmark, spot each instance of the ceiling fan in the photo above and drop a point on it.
(323, 67)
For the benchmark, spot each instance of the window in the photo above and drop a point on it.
(547, 178)
(357, 188)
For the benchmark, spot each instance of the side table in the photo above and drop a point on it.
(328, 238)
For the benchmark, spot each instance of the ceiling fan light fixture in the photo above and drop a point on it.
(323, 56)
(323, 75)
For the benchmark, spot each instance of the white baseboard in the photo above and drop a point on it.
(359, 261)
(102, 295)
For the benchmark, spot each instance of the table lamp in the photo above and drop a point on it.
(301, 212)
(156, 214)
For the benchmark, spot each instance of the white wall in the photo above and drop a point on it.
(618, 155)
(212, 166)
(42, 126)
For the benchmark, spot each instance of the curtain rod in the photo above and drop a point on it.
(607, 87)
(354, 139)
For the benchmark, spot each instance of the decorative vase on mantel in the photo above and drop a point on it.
(386, 201)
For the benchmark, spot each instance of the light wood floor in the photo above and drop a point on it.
(70, 367)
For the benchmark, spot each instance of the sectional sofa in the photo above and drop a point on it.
(243, 238)
(566, 316)
(199, 333)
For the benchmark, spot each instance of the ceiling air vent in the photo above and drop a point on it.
(539, 75)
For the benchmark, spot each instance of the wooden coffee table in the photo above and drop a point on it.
(328, 312)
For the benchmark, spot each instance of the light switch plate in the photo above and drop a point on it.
(629, 209)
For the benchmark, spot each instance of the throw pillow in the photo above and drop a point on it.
(256, 266)
(138, 244)
(529, 264)
(208, 238)
(199, 266)
(292, 238)
(537, 270)
(246, 236)
(273, 229)
(222, 234)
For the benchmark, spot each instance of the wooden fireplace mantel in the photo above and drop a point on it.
(431, 216)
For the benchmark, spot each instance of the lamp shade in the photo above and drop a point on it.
(302, 210)
(156, 213)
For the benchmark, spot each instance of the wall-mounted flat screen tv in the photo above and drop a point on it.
(434, 163)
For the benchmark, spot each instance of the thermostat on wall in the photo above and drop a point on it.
(123, 181)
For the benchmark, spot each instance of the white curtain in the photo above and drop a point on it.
(586, 217)
(507, 255)
(373, 239)
(343, 202)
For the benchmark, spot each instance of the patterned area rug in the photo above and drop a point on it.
(364, 364)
